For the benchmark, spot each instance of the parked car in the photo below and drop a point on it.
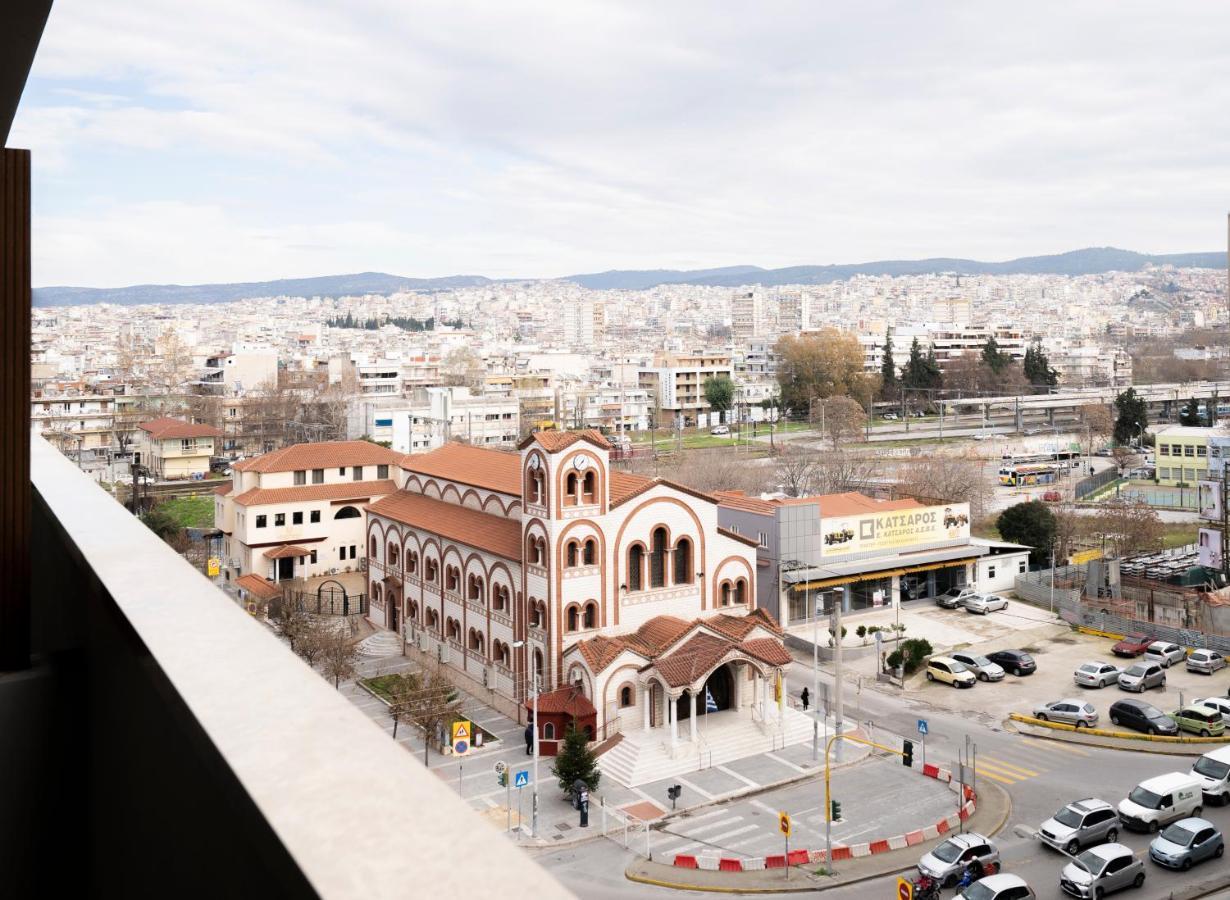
(1141, 676)
(1186, 842)
(1206, 661)
(949, 860)
(1132, 644)
(1221, 704)
(1156, 802)
(1018, 662)
(947, 670)
(980, 666)
(1096, 674)
(1165, 653)
(1202, 720)
(1100, 870)
(1213, 772)
(953, 597)
(998, 887)
(1140, 716)
(719, 430)
(1052, 496)
(984, 603)
(1069, 711)
(1080, 824)
(889, 417)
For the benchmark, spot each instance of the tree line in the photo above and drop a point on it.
(405, 323)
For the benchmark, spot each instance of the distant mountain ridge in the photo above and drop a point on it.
(1090, 261)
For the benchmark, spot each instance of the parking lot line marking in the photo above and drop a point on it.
(1005, 766)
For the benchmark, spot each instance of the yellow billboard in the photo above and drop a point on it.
(893, 530)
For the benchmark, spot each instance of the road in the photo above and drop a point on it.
(1040, 776)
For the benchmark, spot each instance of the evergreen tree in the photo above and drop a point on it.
(1190, 414)
(1032, 524)
(1133, 416)
(932, 375)
(1038, 369)
(575, 760)
(913, 373)
(995, 359)
(888, 369)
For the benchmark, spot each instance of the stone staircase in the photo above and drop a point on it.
(380, 644)
(642, 757)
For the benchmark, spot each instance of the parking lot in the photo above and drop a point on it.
(1056, 649)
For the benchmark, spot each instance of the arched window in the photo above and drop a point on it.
(589, 487)
(393, 554)
(476, 640)
(375, 592)
(548, 731)
(347, 512)
(741, 591)
(590, 555)
(412, 562)
(413, 611)
(538, 666)
(433, 571)
(454, 629)
(683, 561)
(452, 577)
(572, 617)
(537, 483)
(571, 555)
(571, 497)
(636, 567)
(371, 547)
(657, 559)
(499, 595)
(725, 594)
(591, 615)
(474, 587)
(535, 616)
(627, 697)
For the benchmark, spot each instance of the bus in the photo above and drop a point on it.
(1013, 474)
(1068, 456)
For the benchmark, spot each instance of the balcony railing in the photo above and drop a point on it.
(162, 700)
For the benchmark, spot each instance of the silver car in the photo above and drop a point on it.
(1069, 711)
(1165, 653)
(980, 666)
(1186, 842)
(1004, 886)
(1080, 824)
(947, 862)
(1206, 661)
(981, 604)
(1096, 674)
(1141, 676)
(954, 597)
(1101, 870)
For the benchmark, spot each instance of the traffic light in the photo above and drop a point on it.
(907, 753)
(834, 810)
(673, 792)
(502, 778)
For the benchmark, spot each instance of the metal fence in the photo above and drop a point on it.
(1090, 615)
(330, 602)
(1092, 483)
(1166, 498)
(1035, 587)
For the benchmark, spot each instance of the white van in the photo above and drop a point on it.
(1159, 801)
(1213, 772)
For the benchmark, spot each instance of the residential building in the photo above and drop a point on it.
(584, 323)
(1182, 452)
(677, 382)
(748, 315)
(545, 566)
(229, 374)
(172, 448)
(297, 512)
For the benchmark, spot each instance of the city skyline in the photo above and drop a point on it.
(226, 146)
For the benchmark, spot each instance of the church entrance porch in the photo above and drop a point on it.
(715, 696)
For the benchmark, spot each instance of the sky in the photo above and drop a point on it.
(239, 141)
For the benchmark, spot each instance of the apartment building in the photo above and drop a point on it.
(748, 315)
(1091, 365)
(229, 374)
(676, 381)
(584, 323)
(172, 448)
(78, 423)
(297, 512)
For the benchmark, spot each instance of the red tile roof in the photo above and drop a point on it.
(494, 470)
(850, 503)
(322, 455)
(743, 538)
(568, 700)
(480, 530)
(285, 551)
(357, 491)
(693, 659)
(223, 489)
(167, 428)
(768, 650)
(740, 500)
(554, 441)
(626, 485)
(258, 587)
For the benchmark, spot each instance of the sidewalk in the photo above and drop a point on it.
(475, 779)
(994, 806)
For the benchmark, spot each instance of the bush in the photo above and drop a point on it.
(861, 631)
(914, 652)
(894, 659)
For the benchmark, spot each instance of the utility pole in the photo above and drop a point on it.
(815, 673)
(837, 684)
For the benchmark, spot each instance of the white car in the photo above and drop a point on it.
(1096, 674)
(984, 603)
(720, 431)
(1165, 652)
(1221, 704)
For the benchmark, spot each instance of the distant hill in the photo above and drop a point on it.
(1090, 261)
(1075, 262)
(322, 286)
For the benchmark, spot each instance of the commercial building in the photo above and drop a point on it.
(172, 448)
(1182, 452)
(859, 552)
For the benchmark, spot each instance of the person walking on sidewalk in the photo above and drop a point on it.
(806, 698)
(529, 739)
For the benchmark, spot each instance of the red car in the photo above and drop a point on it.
(1052, 496)
(1132, 645)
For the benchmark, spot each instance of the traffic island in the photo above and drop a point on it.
(806, 869)
(1112, 740)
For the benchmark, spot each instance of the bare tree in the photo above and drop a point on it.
(290, 619)
(426, 698)
(840, 471)
(1098, 422)
(463, 367)
(1129, 527)
(339, 656)
(948, 479)
(312, 642)
(724, 469)
(1125, 458)
(796, 472)
(844, 419)
(1070, 527)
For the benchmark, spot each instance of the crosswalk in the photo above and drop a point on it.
(1025, 760)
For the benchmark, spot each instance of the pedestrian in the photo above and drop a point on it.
(806, 698)
(529, 739)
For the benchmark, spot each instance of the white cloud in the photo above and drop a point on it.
(542, 138)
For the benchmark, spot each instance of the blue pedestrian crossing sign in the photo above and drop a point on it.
(521, 778)
(922, 726)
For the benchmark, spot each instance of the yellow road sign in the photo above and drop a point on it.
(461, 737)
(905, 889)
(783, 823)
